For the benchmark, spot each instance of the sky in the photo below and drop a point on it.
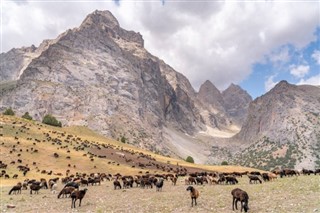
(254, 44)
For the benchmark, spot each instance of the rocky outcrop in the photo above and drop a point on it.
(282, 128)
(99, 75)
(236, 103)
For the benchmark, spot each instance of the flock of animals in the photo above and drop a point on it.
(72, 182)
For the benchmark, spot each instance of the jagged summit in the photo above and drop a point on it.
(101, 18)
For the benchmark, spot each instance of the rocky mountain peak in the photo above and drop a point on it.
(236, 102)
(101, 18)
(209, 94)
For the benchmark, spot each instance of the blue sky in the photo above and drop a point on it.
(295, 65)
(253, 44)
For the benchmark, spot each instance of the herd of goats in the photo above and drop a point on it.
(73, 182)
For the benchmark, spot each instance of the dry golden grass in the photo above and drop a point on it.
(295, 194)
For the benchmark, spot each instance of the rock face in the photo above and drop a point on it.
(99, 75)
(282, 128)
(236, 103)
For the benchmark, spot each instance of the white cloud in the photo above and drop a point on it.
(314, 80)
(270, 83)
(316, 56)
(299, 71)
(219, 41)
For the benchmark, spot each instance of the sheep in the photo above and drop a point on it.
(194, 193)
(159, 185)
(66, 191)
(53, 188)
(35, 187)
(16, 188)
(174, 180)
(254, 178)
(116, 184)
(231, 180)
(242, 196)
(75, 195)
(73, 184)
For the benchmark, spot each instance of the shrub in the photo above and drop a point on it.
(27, 116)
(190, 159)
(224, 163)
(9, 111)
(51, 120)
(123, 139)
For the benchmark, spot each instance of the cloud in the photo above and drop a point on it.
(219, 41)
(314, 80)
(299, 71)
(270, 83)
(316, 56)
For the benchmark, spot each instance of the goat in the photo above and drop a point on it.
(16, 188)
(194, 193)
(66, 191)
(242, 196)
(75, 195)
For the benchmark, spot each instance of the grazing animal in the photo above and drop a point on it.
(35, 187)
(265, 177)
(73, 184)
(66, 191)
(231, 180)
(77, 195)
(194, 194)
(116, 184)
(16, 188)
(254, 178)
(242, 196)
(159, 185)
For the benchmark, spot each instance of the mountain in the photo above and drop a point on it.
(282, 128)
(236, 103)
(99, 75)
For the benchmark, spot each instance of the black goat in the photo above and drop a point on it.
(194, 193)
(242, 196)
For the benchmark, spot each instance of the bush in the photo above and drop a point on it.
(123, 139)
(190, 159)
(27, 116)
(9, 111)
(224, 163)
(51, 120)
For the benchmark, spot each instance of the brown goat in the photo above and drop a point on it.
(194, 193)
(242, 196)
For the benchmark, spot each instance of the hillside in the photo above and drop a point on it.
(85, 151)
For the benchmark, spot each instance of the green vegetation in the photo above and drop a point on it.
(190, 159)
(27, 116)
(9, 111)
(51, 120)
(224, 163)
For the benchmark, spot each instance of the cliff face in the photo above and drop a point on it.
(282, 128)
(99, 75)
